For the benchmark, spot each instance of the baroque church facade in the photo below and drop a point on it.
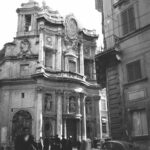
(47, 77)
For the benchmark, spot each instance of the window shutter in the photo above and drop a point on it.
(131, 19)
(134, 71)
(124, 17)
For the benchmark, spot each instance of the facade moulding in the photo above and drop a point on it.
(135, 33)
(17, 81)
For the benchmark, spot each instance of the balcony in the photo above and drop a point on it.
(118, 3)
(59, 74)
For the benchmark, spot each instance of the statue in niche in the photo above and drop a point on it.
(72, 104)
(48, 102)
(25, 47)
(88, 108)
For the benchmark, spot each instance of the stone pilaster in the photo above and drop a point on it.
(64, 128)
(81, 60)
(39, 115)
(59, 54)
(41, 44)
(83, 123)
(79, 130)
(59, 112)
(78, 105)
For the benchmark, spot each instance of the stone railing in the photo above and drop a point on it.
(63, 74)
(66, 74)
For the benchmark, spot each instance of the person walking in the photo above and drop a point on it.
(46, 143)
(25, 141)
(63, 143)
(40, 144)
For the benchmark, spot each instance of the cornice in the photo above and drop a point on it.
(17, 81)
(134, 33)
(16, 58)
(55, 78)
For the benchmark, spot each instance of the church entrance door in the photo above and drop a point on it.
(71, 129)
(21, 119)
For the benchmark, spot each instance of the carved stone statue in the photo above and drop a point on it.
(72, 104)
(48, 102)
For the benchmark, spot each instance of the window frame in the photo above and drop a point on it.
(27, 22)
(146, 117)
(128, 22)
(128, 74)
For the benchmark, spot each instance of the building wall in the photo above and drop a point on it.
(40, 72)
(132, 96)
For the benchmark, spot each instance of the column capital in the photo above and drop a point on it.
(59, 92)
(96, 97)
(40, 89)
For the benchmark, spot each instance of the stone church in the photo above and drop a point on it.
(47, 77)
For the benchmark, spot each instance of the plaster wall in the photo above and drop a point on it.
(12, 69)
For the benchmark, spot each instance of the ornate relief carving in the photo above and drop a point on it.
(25, 48)
(50, 41)
(87, 49)
(71, 27)
(72, 104)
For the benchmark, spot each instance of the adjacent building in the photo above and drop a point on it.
(48, 79)
(123, 67)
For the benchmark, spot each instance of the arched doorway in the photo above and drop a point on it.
(22, 119)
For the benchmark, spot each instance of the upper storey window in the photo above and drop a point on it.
(134, 71)
(88, 68)
(27, 23)
(72, 66)
(128, 20)
(48, 59)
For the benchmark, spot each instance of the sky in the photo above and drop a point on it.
(83, 10)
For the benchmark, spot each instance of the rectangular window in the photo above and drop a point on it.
(24, 69)
(128, 20)
(48, 59)
(72, 66)
(139, 123)
(134, 71)
(88, 68)
(104, 125)
(27, 23)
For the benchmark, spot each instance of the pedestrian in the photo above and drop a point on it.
(69, 144)
(57, 142)
(27, 141)
(18, 142)
(52, 143)
(63, 143)
(46, 143)
(40, 144)
(78, 145)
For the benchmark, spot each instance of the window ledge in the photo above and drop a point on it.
(119, 3)
(136, 81)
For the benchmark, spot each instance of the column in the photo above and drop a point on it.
(83, 97)
(81, 60)
(59, 54)
(64, 128)
(79, 106)
(59, 113)
(39, 115)
(97, 106)
(79, 130)
(41, 48)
